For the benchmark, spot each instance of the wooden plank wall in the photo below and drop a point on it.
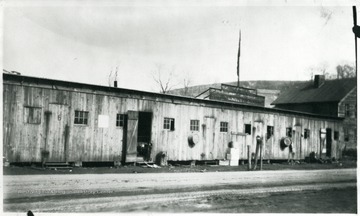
(350, 122)
(24, 142)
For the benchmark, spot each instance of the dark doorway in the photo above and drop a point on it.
(124, 139)
(144, 135)
(137, 146)
(144, 131)
(328, 142)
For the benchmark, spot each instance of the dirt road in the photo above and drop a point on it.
(131, 192)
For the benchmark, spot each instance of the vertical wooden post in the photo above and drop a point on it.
(261, 155)
(45, 154)
(321, 147)
(47, 122)
(256, 155)
(249, 157)
(66, 142)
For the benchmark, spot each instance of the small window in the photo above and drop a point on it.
(269, 131)
(223, 127)
(347, 110)
(248, 129)
(289, 132)
(194, 125)
(81, 117)
(336, 135)
(32, 115)
(120, 120)
(169, 124)
(346, 134)
(306, 133)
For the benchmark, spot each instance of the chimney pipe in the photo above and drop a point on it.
(319, 80)
(115, 84)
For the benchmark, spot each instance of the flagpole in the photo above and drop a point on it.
(238, 61)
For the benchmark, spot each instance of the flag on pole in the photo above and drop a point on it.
(238, 58)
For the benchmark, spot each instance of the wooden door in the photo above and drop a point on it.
(239, 142)
(132, 136)
(297, 145)
(269, 143)
(58, 132)
(209, 144)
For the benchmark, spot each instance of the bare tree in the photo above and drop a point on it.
(326, 14)
(164, 80)
(322, 69)
(342, 71)
(112, 76)
(109, 78)
(345, 71)
(187, 83)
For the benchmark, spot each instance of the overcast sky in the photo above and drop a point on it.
(196, 40)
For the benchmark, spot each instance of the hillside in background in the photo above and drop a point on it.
(273, 86)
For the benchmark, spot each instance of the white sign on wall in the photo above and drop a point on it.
(103, 121)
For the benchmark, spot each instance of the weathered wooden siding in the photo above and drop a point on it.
(25, 142)
(350, 121)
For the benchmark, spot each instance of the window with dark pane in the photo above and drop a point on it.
(223, 127)
(248, 129)
(120, 120)
(169, 124)
(194, 125)
(289, 131)
(269, 131)
(32, 115)
(306, 133)
(81, 117)
(336, 135)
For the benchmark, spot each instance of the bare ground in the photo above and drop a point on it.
(286, 191)
(312, 201)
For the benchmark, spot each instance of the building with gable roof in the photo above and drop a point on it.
(326, 97)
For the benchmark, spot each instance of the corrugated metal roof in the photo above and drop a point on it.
(330, 91)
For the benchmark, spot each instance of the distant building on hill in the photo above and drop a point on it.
(233, 94)
(269, 94)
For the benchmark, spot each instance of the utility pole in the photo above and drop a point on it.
(355, 24)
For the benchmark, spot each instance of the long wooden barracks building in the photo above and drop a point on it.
(61, 121)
